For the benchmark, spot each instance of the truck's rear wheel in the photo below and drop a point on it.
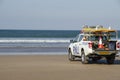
(70, 56)
(84, 58)
(110, 60)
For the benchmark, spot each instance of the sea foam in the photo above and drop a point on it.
(34, 40)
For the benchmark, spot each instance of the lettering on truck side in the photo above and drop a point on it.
(75, 49)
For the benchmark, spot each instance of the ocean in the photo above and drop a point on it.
(14, 42)
(35, 41)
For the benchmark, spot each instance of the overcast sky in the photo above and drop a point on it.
(58, 14)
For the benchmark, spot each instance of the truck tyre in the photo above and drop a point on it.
(110, 60)
(70, 56)
(84, 58)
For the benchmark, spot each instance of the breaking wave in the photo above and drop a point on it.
(34, 40)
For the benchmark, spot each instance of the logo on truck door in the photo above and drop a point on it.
(75, 49)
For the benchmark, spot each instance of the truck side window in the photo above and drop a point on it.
(76, 38)
(81, 37)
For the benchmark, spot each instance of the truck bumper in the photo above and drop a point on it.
(105, 52)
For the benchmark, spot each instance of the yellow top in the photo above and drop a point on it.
(98, 30)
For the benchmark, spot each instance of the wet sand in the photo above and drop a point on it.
(55, 67)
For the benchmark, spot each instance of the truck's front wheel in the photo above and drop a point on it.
(84, 58)
(70, 56)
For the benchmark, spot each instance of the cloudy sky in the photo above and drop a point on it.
(58, 14)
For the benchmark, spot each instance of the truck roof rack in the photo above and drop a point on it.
(98, 28)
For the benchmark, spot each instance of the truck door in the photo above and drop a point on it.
(77, 45)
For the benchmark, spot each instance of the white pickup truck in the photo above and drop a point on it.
(93, 44)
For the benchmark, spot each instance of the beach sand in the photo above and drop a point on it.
(54, 67)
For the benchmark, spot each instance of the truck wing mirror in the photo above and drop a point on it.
(71, 41)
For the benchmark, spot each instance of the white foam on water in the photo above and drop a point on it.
(49, 40)
(34, 42)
